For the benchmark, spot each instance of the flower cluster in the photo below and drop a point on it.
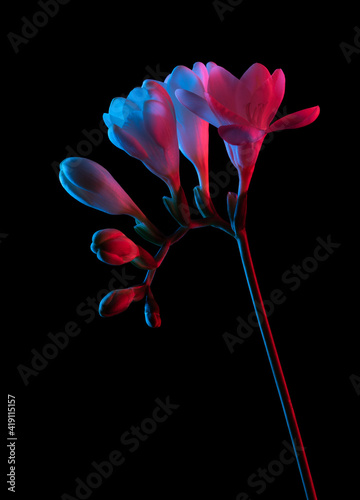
(153, 124)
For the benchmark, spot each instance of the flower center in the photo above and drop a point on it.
(254, 113)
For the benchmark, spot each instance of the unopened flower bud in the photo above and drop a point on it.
(116, 302)
(91, 184)
(113, 247)
(152, 312)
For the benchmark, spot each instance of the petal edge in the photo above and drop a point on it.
(295, 120)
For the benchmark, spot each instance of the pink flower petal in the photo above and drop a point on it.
(223, 86)
(296, 120)
(250, 81)
(245, 155)
(210, 65)
(160, 123)
(184, 78)
(266, 100)
(192, 131)
(254, 77)
(126, 141)
(224, 115)
(239, 134)
(158, 92)
(278, 91)
(200, 70)
(197, 105)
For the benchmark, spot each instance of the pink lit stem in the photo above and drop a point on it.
(160, 256)
(275, 364)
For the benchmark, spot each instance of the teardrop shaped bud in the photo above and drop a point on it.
(91, 184)
(116, 302)
(152, 312)
(113, 247)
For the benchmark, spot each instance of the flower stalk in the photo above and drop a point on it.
(154, 123)
(271, 351)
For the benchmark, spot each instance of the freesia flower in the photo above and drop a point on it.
(144, 126)
(152, 311)
(113, 247)
(148, 125)
(193, 132)
(91, 184)
(243, 109)
(116, 302)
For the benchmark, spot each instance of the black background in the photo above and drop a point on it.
(229, 422)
